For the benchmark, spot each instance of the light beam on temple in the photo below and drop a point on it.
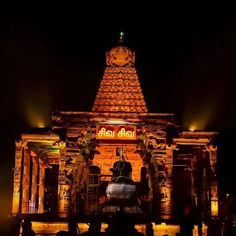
(199, 117)
(192, 128)
(36, 106)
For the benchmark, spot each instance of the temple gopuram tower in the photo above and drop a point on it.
(66, 169)
(120, 89)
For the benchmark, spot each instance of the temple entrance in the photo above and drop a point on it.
(107, 160)
(182, 184)
(51, 189)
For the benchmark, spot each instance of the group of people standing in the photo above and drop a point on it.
(16, 223)
(121, 223)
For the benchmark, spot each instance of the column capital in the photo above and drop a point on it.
(24, 143)
(19, 144)
(211, 148)
(171, 146)
(42, 164)
(62, 144)
(35, 159)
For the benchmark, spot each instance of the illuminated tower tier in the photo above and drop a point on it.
(120, 90)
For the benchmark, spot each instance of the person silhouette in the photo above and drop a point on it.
(121, 167)
(15, 223)
(27, 228)
(149, 229)
(122, 223)
(73, 229)
(94, 228)
(213, 228)
(187, 221)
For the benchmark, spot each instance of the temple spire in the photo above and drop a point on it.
(120, 90)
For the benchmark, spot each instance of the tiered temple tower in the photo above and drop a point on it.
(57, 170)
(120, 89)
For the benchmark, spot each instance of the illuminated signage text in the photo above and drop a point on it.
(116, 132)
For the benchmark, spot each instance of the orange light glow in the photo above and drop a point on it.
(199, 115)
(36, 118)
(37, 123)
(192, 128)
(36, 105)
(214, 207)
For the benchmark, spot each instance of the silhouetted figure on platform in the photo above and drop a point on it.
(27, 228)
(73, 229)
(94, 229)
(229, 229)
(213, 228)
(149, 229)
(121, 167)
(186, 222)
(15, 222)
(122, 224)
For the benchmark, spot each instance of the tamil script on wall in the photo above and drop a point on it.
(115, 132)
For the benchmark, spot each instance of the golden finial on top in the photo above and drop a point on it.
(120, 55)
(121, 37)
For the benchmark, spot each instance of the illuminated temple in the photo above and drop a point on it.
(65, 170)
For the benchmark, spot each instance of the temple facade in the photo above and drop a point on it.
(66, 169)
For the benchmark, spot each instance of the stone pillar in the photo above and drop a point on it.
(162, 160)
(26, 182)
(167, 201)
(154, 184)
(194, 181)
(41, 187)
(165, 164)
(214, 183)
(34, 184)
(63, 203)
(79, 166)
(17, 178)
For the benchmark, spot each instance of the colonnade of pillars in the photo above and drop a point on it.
(165, 182)
(29, 176)
(212, 182)
(165, 186)
(28, 190)
(209, 181)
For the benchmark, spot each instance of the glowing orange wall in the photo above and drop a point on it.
(108, 157)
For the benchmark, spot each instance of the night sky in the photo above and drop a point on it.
(53, 58)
